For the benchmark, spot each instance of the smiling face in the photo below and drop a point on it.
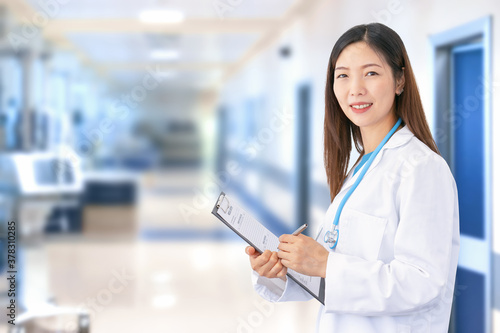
(365, 88)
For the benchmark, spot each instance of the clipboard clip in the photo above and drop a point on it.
(220, 202)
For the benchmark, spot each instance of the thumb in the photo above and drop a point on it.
(250, 250)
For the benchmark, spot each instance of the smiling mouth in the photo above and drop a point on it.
(361, 106)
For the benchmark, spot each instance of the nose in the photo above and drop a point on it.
(357, 87)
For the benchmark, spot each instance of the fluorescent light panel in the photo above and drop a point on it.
(164, 301)
(164, 54)
(161, 16)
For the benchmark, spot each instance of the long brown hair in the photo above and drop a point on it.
(338, 129)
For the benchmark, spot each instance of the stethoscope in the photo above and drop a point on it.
(332, 236)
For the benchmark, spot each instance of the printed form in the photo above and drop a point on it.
(257, 235)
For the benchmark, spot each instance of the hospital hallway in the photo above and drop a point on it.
(176, 276)
(122, 121)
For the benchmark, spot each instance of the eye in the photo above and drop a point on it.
(371, 73)
(341, 76)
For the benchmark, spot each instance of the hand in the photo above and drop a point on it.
(303, 254)
(266, 264)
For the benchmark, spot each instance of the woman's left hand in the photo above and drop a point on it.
(303, 254)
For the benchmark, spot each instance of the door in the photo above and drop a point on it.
(462, 130)
(468, 165)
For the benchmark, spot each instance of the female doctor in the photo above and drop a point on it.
(388, 246)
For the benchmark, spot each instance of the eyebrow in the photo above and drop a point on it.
(364, 66)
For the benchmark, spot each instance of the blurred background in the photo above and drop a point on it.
(121, 121)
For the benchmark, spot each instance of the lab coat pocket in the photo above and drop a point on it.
(360, 234)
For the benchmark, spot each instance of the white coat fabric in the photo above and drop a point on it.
(394, 266)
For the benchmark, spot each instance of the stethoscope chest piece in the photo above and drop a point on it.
(332, 237)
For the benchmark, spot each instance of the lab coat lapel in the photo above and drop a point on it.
(399, 138)
(351, 179)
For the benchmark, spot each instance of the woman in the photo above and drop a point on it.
(389, 259)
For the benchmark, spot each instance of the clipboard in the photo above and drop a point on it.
(259, 237)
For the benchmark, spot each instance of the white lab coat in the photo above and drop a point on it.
(394, 266)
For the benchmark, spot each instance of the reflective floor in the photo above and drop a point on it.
(174, 276)
(168, 287)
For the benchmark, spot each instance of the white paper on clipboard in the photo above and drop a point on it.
(258, 236)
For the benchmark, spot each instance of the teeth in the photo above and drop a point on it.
(361, 106)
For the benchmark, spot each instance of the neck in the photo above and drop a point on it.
(373, 135)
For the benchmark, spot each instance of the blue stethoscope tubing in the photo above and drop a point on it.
(332, 237)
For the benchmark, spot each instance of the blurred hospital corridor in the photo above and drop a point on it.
(121, 122)
(165, 280)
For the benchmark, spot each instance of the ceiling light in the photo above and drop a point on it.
(167, 74)
(161, 16)
(161, 277)
(164, 301)
(164, 55)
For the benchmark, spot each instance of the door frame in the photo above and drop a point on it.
(302, 152)
(441, 44)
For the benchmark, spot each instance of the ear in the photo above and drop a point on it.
(400, 82)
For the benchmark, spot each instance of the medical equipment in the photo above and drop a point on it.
(332, 236)
(35, 183)
(51, 319)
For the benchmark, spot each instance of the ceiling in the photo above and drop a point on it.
(215, 39)
(108, 9)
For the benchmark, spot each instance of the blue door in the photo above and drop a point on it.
(472, 287)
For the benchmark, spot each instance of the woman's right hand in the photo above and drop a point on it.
(266, 264)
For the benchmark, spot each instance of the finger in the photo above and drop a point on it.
(252, 252)
(282, 272)
(278, 267)
(284, 255)
(273, 259)
(287, 247)
(286, 263)
(257, 260)
(303, 237)
(266, 268)
(266, 255)
(289, 264)
(287, 238)
(263, 257)
(262, 260)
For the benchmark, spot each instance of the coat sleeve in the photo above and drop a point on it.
(277, 290)
(424, 252)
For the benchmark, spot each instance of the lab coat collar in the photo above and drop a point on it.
(398, 139)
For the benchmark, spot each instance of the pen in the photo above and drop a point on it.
(300, 229)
